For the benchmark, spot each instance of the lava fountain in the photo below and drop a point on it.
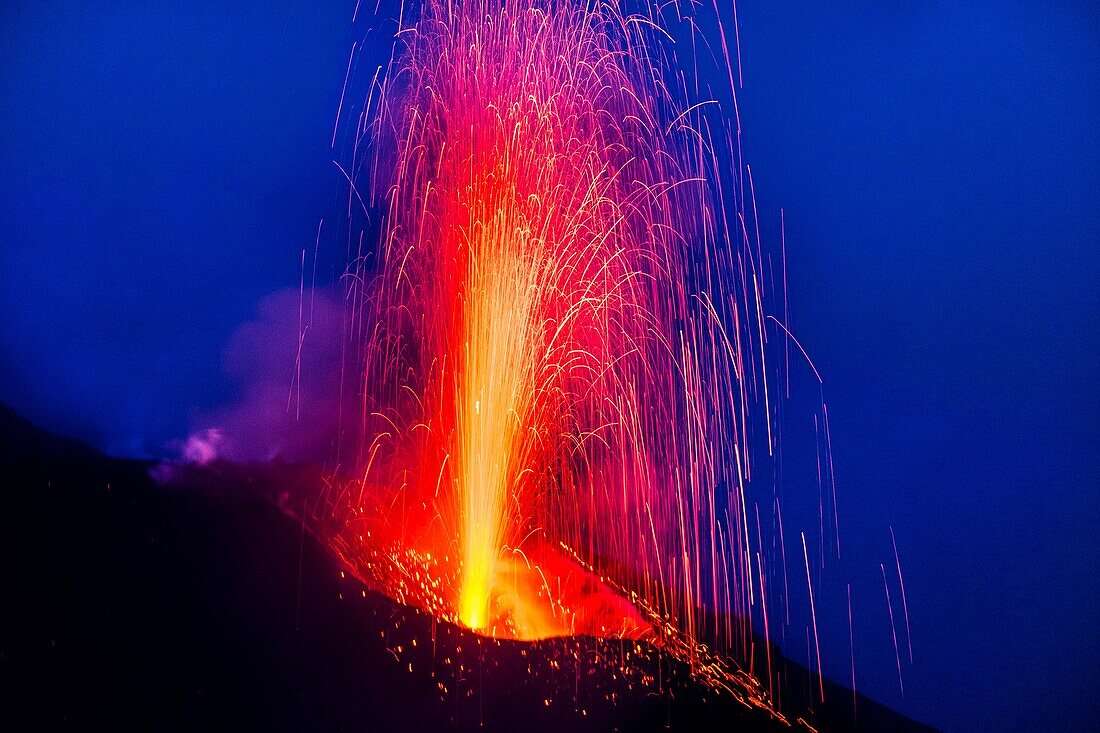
(559, 340)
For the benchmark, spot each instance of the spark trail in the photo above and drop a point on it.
(560, 341)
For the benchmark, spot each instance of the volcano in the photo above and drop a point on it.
(203, 605)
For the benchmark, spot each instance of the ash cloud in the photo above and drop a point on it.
(287, 363)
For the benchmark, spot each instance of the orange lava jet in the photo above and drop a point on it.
(559, 340)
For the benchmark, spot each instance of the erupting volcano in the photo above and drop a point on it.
(558, 345)
(444, 365)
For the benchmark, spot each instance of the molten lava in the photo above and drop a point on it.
(560, 338)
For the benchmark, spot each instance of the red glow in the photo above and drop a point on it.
(561, 338)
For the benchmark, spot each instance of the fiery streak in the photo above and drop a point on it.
(560, 344)
(813, 615)
(556, 333)
(893, 628)
(852, 647)
(904, 600)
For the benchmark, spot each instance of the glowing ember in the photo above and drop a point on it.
(561, 335)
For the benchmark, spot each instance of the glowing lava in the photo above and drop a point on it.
(560, 337)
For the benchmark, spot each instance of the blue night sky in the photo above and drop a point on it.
(163, 165)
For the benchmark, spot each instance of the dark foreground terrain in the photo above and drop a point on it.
(127, 605)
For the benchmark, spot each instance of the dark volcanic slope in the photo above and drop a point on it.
(130, 606)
